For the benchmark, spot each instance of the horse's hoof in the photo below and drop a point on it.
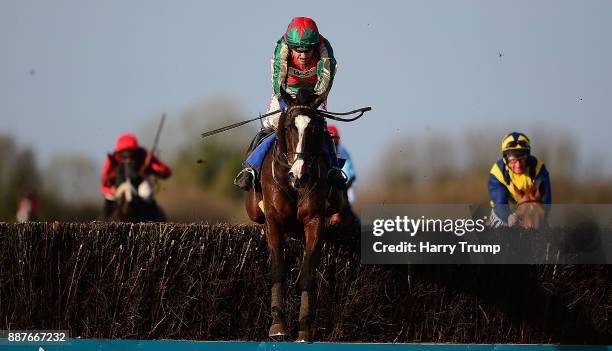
(304, 336)
(277, 330)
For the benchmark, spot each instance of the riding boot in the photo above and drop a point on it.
(245, 180)
(335, 175)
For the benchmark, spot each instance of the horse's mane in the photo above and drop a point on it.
(305, 97)
(280, 132)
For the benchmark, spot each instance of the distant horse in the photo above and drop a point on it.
(529, 213)
(294, 197)
(133, 191)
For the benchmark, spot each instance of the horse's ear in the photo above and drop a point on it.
(318, 101)
(287, 98)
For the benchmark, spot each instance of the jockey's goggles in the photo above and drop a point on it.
(512, 159)
(127, 155)
(513, 143)
(302, 49)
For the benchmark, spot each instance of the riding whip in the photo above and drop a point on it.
(159, 129)
(150, 154)
(232, 126)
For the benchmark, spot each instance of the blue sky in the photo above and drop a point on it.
(75, 74)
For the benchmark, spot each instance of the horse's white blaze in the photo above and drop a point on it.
(296, 168)
(125, 189)
(301, 122)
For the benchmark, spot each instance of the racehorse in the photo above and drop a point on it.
(133, 193)
(529, 213)
(295, 193)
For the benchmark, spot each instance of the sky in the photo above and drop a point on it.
(76, 74)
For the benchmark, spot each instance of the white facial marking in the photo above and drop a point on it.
(296, 168)
(301, 122)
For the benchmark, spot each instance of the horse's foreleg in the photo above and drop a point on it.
(312, 250)
(251, 203)
(277, 271)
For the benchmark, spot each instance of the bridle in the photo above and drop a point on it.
(284, 158)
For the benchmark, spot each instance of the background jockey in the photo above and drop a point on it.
(126, 147)
(517, 168)
(27, 208)
(302, 59)
(348, 167)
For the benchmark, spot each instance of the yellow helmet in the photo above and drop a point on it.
(515, 141)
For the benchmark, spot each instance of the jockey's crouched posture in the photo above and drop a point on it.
(517, 169)
(302, 59)
(114, 171)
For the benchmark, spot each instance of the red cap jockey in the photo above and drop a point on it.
(333, 131)
(129, 142)
(125, 142)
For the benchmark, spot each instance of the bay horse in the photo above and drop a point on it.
(294, 191)
(530, 214)
(131, 184)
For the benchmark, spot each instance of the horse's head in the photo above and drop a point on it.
(128, 166)
(301, 135)
(530, 213)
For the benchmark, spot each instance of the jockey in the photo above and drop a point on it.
(347, 168)
(126, 146)
(27, 208)
(302, 59)
(517, 168)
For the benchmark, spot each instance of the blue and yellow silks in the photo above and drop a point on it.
(502, 179)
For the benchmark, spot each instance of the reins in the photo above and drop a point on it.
(325, 114)
(333, 115)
